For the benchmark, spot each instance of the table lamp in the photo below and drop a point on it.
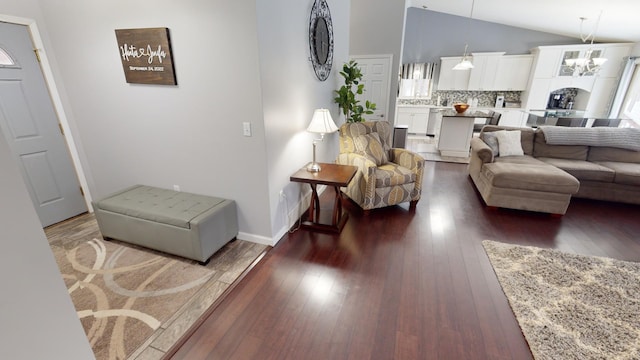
(321, 123)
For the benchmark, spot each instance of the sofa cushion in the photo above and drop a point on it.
(391, 174)
(491, 140)
(509, 143)
(583, 170)
(370, 145)
(542, 149)
(542, 177)
(519, 160)
(626, 173)
(597, 153)
(526, 136)
(159, 205)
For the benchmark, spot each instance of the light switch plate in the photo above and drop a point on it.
(246, 128)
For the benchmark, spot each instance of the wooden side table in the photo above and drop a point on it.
(331, 175)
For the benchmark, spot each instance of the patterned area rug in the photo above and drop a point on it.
(125, 295)
(571, 306)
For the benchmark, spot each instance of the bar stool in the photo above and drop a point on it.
(571, 122)
(606, 122)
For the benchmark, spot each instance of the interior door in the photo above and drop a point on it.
(29, 123)
(376, 77)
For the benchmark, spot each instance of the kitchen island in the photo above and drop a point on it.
(456, 131)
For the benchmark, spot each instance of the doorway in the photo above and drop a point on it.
(29, 123)
(376, 77)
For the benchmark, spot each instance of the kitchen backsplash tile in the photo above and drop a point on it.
(485, 98)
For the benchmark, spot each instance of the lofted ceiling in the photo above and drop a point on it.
(619, 19)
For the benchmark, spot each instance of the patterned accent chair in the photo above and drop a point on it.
(385, 176)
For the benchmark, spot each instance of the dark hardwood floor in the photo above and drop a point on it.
(401, 284)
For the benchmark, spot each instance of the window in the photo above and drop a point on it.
(631, 105)
(417, 80)
(5, 59)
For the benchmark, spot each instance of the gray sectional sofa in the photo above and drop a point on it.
(594, 163)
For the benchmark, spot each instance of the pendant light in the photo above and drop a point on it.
(465, 63)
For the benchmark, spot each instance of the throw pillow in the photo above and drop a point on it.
(370, 145)
(509, 143)
(490, 139)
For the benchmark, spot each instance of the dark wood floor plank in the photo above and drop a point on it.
(401, 284)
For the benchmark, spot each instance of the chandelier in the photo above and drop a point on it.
(591, 62)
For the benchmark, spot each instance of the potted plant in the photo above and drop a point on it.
(346, 95)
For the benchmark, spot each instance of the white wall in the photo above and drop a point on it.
(37, 318)
(291, 92)
(376, 27)
(430, 35)
(188, 135)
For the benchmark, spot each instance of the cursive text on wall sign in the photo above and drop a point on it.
(146, 56)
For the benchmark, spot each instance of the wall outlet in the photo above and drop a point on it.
(176, 187)
(246, 128)
(281, 193)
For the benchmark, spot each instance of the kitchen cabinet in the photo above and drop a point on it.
(616, 56)
(483, 74)
(513, 72)
(452, 79)
(511, 117)
(579, 82)
(416, 118)
(546, 62)
(492, 71)
(604, 89)
(549, 73)
(537, 96)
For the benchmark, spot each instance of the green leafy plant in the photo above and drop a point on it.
(346, 95)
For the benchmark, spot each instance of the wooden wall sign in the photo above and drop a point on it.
(146, 56)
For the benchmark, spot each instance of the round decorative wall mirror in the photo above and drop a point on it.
(321, 39)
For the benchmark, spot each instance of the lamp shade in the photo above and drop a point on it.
(322, 123)
(463, 65)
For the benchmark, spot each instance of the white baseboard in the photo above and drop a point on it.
(256, 239)
(292, 218)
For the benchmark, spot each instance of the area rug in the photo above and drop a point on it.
(571, 306)
(125, 294)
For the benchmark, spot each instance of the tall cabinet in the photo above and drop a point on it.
(550, 73)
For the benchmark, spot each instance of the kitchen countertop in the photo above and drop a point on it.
(441, 108)
(468, 113)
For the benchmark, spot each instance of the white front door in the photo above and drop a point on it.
(29, 123)
(376, 77)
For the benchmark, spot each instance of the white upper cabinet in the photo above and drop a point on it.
(452, 79)
(483, 74)
(615, 56)
(513, 72)
(546, 62)
(492, 71)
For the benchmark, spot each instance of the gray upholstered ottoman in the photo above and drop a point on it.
(188, 225)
